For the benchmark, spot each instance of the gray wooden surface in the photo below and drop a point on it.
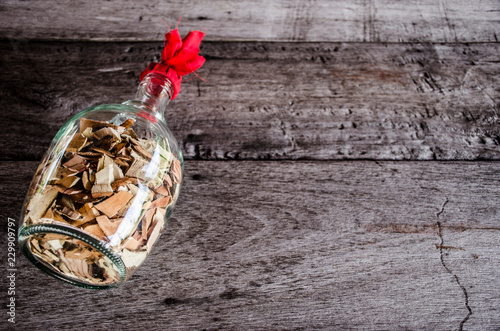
(300, 245)
(342, 161)
(277, 20)
(307, 100)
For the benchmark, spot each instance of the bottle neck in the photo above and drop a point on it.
(153, 95)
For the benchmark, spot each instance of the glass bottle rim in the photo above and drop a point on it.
(27, 232)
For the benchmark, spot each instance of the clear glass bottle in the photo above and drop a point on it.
(104, 190)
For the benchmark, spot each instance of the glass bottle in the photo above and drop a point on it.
(104, 190)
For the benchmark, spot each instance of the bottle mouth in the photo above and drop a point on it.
(72, 256)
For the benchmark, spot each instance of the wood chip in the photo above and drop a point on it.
(65, 201)
(87, 133)
(49, 214)
(132, 244)
(100, 163)
(76, 163)
(84, 198)
(117, 172)
(163, 190)
(119, 147)
(132, 188)
(121, 162)
(161, 203)
(139, 149)
(148, 144)
(78, 267)
(39, 204)
(79, 254)
(108, 226)
(167, 181)
(92, 175)
(113, 204)
(129, 133)
(127, 158)
(67, 181)
(146, 205)
(77, 143)
(71, 214)
(158, 221)
(63, 172)
(88, 212)
(94, 125)
(161, 212)
(137, 169)
(105, 176)
(137, 236)
(95, 230)
(152, 228)
(87, 184)
(65, 190)
(35, 243)
(47, 253)
(107, 131)
(89, 154)
(146, 223)
(176, 171)
(128, 123)
(124, 209)
(55, 215)
(102, 190)
(122, 182)
(153, 236)
(102, 151)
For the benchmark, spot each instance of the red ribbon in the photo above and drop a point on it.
(179, 58)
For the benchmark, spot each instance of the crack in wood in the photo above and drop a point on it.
(442, 209)
(441, 247)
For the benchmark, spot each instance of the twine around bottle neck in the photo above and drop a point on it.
(153, 95)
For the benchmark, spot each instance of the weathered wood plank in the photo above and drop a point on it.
(315, 245)
(324, 20)
(284, 100)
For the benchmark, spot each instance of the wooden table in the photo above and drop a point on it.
(341, 161)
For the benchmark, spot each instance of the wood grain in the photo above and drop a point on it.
(302, 245)
(323, 20)
(327, 235)
(285, 100)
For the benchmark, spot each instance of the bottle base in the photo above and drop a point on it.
(72, 256)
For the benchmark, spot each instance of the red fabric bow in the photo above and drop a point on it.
(179, 58)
